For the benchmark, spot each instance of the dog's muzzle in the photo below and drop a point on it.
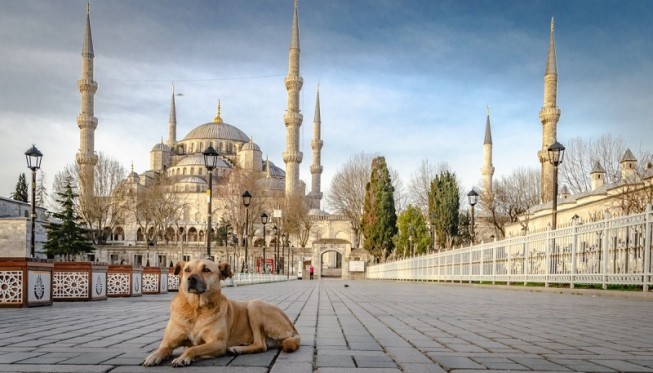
(194, 284)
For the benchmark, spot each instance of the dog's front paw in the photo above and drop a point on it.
(234, 350)
(182, 361)
(155, 358)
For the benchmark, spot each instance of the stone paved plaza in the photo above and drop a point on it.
(368, 326)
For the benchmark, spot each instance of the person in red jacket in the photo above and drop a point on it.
(311, 270)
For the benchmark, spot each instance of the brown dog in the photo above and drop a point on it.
(210, 325)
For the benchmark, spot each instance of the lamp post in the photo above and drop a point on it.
(472, 198)
(247, 198)
(275, 232)
(556, 155)
(411, 248)
(210, 161)
(283, 249)
(264, 221)
(33, 157)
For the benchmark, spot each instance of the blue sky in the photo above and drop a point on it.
(409, 80)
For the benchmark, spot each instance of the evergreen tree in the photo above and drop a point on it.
(379, 221)
(67, 238)
(444, 203)
(21, 189)
(411, 223)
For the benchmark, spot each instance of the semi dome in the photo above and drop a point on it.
(193, 180)
(161, 147)
(251, 146)
(198, 160)
(213, 130)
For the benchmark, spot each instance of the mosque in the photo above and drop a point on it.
(182, 163)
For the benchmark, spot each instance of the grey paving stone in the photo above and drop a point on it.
(56, 368)
(622, 365)
(334, 361)
(451, 362)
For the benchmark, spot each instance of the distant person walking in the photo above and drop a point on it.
(311, 270)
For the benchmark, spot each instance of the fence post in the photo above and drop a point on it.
(494, 263)
(647, 248)
(547, 257)
(604, 248)
(470, 263)
(527, 266)
(574, 247)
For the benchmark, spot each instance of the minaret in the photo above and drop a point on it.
(549, 116)
(172, 122)
(316, 145)
(87, 122)
(487, 171)
(292, 118)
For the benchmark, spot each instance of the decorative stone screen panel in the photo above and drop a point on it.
(70, 285)
(118, 283)
(11, 287)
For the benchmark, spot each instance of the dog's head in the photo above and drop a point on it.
(200, 275)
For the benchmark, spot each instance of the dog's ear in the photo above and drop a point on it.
(179, 266)
(225, 270)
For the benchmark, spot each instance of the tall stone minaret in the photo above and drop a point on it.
(487, 171)
(316, 145)
(549, 116)
(292, 118)
(87, 122)
(172, 122)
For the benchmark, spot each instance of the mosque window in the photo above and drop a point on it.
(221, 147)
(192, 170)
(199, 171)
(192, 148)
(184, 171)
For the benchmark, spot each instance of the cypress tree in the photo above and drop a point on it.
(379, 221)
(67, 238)
(21, 189)
(444, 203)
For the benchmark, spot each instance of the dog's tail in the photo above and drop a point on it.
(291, 344)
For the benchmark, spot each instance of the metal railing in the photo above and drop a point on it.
(253, 278)
(614, 251)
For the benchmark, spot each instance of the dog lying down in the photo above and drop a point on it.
(210, 325)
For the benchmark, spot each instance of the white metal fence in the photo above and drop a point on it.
(254, 278)
(615, 251)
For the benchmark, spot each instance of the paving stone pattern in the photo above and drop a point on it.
(369, 326)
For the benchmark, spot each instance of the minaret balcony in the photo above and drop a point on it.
(294, 82)
(316, 169)
(549, 113)
(86, 158)
(293, 118)
(293, 157)
(317, 144)
(87, 85)
(86, 121)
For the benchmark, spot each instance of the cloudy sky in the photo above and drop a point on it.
(409, 80)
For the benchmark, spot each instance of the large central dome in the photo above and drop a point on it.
(213, 130)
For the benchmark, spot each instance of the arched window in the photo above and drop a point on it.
(184, 172)
(201, 147)
(192, 170)
(200, 171)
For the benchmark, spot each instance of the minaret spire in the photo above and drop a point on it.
(86, 120)
(293, 118)
(218, 118)
(316, 145)
(172, 122)
(487, 171)
(549, 116)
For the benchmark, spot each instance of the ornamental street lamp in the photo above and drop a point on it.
(472, 198)
(33, 157)
(275, 232)
(247, 198)
(210, 161)
(556, 155)
(264, 221)
(283, 249)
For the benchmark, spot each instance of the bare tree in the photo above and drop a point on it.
(103, 211)
(400, 196)
(347, 193)
(296, 219)
(513, 195)
(229, 200)
(420, 183)
(582, 154)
